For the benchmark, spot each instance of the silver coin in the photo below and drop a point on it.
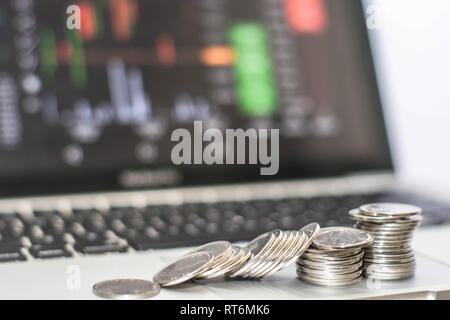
(330, 275)
(374, 250)
(403, 255)
(335, 253)
(272, 255)
(336, 272)
(302, 245)
(215, 269)
(238, 256)
(257, 247)
(184, 269)
(327, 260)
(262, 259)
(278, 254)
(384, 269)
(292, 253)
(219, 249)
(311, 230)
(393, 243)
(393, 266)
(126, 289)
(390, 209)
(321, 266)
(328, 282)
(389, 226)
(385, 231)
(385, 245)
(240, 263)
(356, 214)
(342, 238)
(392, 238)
(390, 276)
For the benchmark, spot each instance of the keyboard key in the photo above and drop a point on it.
(47, 251)
(101, 245)
(11, 251)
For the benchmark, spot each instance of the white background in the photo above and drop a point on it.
(411, 44)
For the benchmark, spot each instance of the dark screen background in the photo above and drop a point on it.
(80, 107)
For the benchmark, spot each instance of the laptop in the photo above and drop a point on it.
(131, 130)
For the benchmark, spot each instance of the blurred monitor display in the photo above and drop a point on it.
(86, 108)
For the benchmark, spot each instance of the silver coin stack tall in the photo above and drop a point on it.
(392, 225)
(335, 257)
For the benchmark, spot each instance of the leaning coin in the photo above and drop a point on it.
(290, 255)
(126, 289)
(311, 230)
(271, 256)
(184, 269)
(298, 250)
(277, 254)
(219, 249)
(342, 238)
(215, 269)
(258, 247)
(238, 255)
(390, 209)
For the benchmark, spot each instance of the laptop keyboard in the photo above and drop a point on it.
(51, 234)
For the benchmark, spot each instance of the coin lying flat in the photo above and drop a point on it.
(342, 238)
(126, 289)
(330, 275)
(358, 215)
(332, 260)
(329, 282)
(184, 269)
(334, 253)
(390, 209)
(326, 267)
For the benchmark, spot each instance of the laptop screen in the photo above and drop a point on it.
(92, 93)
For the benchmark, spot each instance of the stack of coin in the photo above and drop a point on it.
(392, 225)
(335, 257)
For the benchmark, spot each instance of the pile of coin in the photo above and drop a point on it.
(335, 257)
(265, 255)
(392, 225)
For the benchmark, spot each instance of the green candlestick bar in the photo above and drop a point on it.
(255, 83)
(47, 50)
(77, 64)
